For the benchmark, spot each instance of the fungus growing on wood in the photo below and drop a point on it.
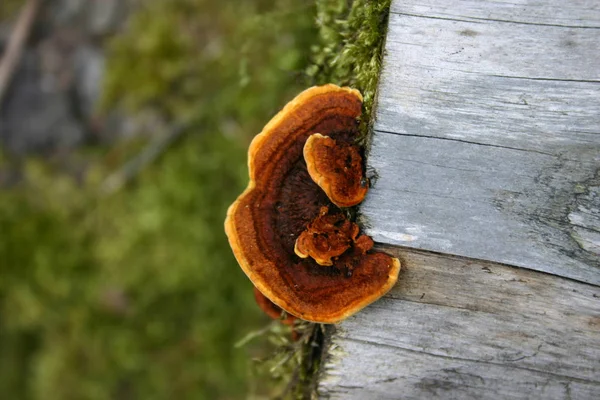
(328, 236)
(281, 200)
(271, 309)
(337, 169)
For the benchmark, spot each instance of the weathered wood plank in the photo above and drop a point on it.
(573, 13)
(457, 328)
(462, 198)
(487, 134)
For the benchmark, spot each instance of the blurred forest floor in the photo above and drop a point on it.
(117, 282)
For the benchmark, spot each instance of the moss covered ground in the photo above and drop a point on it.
(136, 295)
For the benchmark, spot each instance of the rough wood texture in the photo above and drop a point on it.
(453, 328)
(487, 134)
(486, 146)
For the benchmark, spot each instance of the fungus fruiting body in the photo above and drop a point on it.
(328, 236)
(336, 168)
(271, 309)
(282, 200)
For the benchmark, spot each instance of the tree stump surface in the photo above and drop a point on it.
(486, 153)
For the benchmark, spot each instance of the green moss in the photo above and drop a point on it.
(216, 63)
(350, 51)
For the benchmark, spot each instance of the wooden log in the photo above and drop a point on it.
(456, 328)
(486, 164)
(487, 140)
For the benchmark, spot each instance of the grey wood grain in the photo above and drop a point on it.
(487, 134)
(573, 13)
(461, 329)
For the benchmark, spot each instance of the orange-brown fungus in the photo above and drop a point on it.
(337, 169)
(271, 309)
(281, 200)
(328, 236)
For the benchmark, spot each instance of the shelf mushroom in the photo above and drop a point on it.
(271, 309)
(328, 236)
(280, 202)
(337, 169)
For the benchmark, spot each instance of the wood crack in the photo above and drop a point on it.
(533, 78)
(484, 362)
(426, 252)
(484, 74)
(467, 142)
(479, 20)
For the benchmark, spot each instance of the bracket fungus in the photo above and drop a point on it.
(328, 236)
(271, 309)
(282, 200)
(337, 169)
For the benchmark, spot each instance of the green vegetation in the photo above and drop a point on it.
(351, 46)
(136, 295)
(8, 7)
